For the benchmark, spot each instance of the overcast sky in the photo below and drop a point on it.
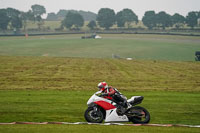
(138, 6)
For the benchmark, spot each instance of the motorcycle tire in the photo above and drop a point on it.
(144, 119)
(94, 117)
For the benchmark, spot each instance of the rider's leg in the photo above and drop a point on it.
(120, 99)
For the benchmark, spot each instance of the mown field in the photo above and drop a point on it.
(153, 47)
(49, 79)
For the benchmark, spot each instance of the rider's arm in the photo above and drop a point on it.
(111, 91)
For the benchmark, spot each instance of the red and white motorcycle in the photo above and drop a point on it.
(100, 109)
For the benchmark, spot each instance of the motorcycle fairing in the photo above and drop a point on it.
(135, 100)
(105, 105)
(112, 116)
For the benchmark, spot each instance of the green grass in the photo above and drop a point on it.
(69, 106)
(56, 89)
(39, 89)
(92, 129)
(156, 47)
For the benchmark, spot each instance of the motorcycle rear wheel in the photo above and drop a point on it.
(139, 115)
(94, 116)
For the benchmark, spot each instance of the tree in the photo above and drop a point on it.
(87, 16)
(62, 14)
(52, 17)
(106, 17)
(16, 22)
(163, 20)
(73, 19)
(178, 20)
(4, 19)
(119, 19)
(92, 24)
(149, 19)
(191, 19)
(15, 17)
(198, 14)
(11, 12)
(126, 16)
(27, 16)
(40, 22)
(129, 16)
(38, 10)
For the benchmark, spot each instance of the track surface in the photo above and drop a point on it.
(86, 123)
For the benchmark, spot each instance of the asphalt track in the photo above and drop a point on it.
(86, 123)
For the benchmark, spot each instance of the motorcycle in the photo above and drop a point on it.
(100, 109)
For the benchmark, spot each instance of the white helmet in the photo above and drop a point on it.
(102, 86)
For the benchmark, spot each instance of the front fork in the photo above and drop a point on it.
(95, 109)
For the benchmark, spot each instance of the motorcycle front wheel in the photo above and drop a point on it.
(93, 116)
(138, 115)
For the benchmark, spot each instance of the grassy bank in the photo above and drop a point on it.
(84, 74)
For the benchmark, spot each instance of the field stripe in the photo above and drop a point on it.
(86, 123)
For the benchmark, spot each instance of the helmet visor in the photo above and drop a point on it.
(100, 87)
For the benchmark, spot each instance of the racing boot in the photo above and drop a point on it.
(121, 110)
(126, 106)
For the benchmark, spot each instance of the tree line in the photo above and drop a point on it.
(16, 19)
(106, 18)
(61, 14)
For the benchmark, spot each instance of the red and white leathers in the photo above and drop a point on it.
(109, 92)
(112, 94)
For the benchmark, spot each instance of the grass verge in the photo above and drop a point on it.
(91, 129)
(69, 106)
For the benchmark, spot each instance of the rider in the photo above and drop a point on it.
(111, 93)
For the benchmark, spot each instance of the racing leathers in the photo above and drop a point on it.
(114, 95)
